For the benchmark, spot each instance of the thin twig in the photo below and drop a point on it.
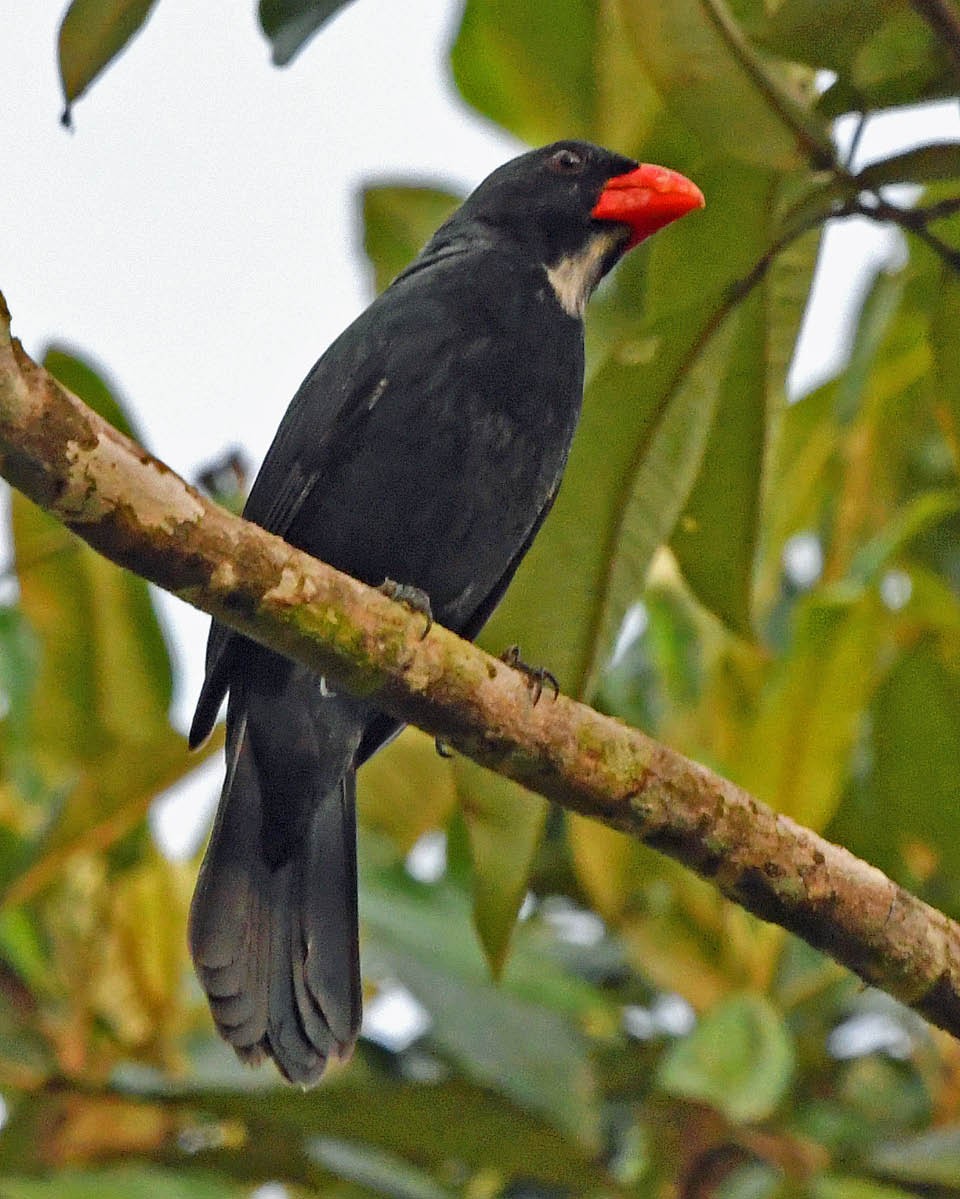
(914, 220)
(855, 141)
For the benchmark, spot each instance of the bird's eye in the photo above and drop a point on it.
(567, 162)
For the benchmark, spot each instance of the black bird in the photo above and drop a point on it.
(426, 446)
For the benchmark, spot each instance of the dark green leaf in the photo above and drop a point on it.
(290, 24)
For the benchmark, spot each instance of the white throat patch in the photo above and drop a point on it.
(575, 276)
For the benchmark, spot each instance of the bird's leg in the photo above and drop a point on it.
(414, 598)
(536, 675)
(443, 749)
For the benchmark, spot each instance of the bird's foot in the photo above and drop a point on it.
(415, 599)
(443, 749)
(536, 675)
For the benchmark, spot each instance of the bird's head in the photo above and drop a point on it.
(576, 209)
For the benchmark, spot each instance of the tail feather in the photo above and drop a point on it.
(275, 945)
(328, 918)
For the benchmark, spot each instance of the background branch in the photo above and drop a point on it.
(137, 512)
(944, 20)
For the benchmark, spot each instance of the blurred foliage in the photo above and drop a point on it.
(769, 586)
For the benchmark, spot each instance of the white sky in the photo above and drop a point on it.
(198, 233)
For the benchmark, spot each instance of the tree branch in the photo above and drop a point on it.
(137, 512)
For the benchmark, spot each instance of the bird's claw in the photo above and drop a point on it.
(536, 675)
(443, 749)
(414, 598)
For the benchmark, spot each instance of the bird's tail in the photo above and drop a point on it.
(274, 943)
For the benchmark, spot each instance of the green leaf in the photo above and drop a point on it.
(397, 222)
(877, 314)
(932, 1158)
(605, 862)
(555, 69)
(529, 67)
(431, 923)
(898, 51)
(922, 164)
(820, 33)
(715, 538)
(902, 62)
(92, 34)
(290, 24)
(739, 1059)
(717, 535)
(437, 1124)
(505, 823)
(379, 1173)
(19, 660)
(798, 751)
(709, 76)
(530, 1055)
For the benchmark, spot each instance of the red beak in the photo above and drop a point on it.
(647, 199)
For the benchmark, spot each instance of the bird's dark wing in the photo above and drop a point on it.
(328, 413)
(321, 414)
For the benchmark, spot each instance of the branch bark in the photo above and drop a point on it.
(137, 512)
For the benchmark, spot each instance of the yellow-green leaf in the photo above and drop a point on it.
(92, 34)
